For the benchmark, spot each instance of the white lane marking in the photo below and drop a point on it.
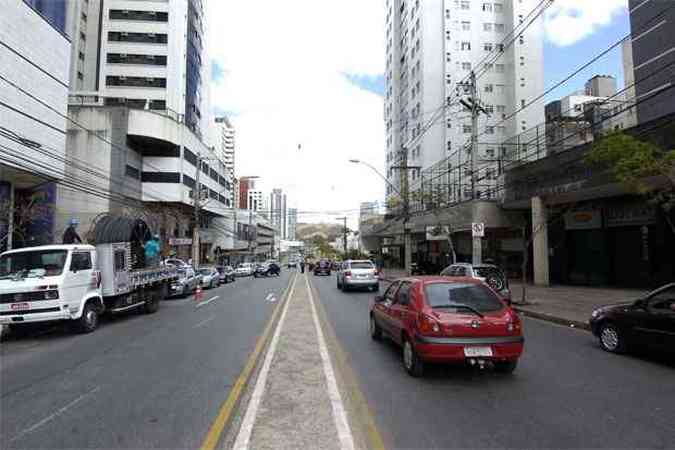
(55, 414)
(204, 322)
(269, 296)
(339, 414)
(199, 305)
(244, 436)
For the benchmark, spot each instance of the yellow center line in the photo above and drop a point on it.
(225, 412)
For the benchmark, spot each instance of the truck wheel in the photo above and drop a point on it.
(152, 303)
(88, 322)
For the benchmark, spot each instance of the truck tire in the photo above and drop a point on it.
(152, 303)
(88, 322)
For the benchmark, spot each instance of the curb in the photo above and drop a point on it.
(553, 319)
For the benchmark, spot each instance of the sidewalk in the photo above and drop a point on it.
(295, 402)
(567, 305)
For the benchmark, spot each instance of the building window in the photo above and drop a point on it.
(487, 47)
(499, 68)
(466, 26)
(83, 37)
(448, 57)
(135, 81)
(466, 46)
(500, 88)
(80, 75)
(124, 58)
(487, 27)
(488, 67)
(466, 66)
(521, 39)
(465, 4)
(490, 152)
(499, 8)
(466, 129)
(488, 88)
(487, 7)
(499, 27)
(132, 172)
(160, 177)
(449, 147)
(148, 38)
(447, 13)
(522, 60)
(80, 55)
(489, 130)
(449, 123)
(522, 103)
(149, 16)
(500, 47)
(489, 109)
(447, 35)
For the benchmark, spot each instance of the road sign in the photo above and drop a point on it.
(478, 229)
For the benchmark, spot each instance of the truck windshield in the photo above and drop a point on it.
(33, 264)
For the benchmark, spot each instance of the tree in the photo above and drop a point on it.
(635, 163)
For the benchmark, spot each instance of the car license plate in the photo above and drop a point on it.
(472, 352)
(20, 306)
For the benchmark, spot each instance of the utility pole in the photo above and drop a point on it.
(405, 196)
(473, 104)
(197, 206)
(344, 233)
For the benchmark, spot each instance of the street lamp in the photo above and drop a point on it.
(407, 245)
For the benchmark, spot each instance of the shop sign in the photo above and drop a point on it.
(630, 215)
(583, 220)
(437, 232)
(180, 241)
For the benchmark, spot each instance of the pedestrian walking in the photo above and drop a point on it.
(302, 266)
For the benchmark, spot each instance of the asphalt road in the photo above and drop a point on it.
(139, 381)
(566, 392)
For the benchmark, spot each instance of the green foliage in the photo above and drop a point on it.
(632, 162)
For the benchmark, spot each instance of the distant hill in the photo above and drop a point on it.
(329, 231)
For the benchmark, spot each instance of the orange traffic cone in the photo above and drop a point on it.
(198, 293)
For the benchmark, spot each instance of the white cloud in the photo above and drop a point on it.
(570, 21)
(283, 63)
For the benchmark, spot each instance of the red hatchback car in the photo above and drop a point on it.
(443, 319)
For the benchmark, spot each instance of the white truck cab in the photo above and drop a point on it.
(51, 282)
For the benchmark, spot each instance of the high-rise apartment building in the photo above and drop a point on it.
(652, 23)
(226, 141)
(432, 46)
(278, 213)
(256, 201)
(292, 224)
(148, 54)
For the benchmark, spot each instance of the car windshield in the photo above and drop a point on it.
(33, 263)
(457, 296)
(362, 265)
(205, 271)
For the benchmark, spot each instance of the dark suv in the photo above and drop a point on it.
(323, 267)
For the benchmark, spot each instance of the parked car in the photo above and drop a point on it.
(358, 274)
(244, 270)
(175, 262)
(648, 322)
(226, 273)
(186, 283)
(267, 270)
(442, 319)
(489, 273)
(322, 267)
(210, 277)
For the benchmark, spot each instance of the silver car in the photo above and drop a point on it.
(490, 274)
(210, 277)
(357, 274)
(244, 270)
(186, 283)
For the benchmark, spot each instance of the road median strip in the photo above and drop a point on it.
(226, 410)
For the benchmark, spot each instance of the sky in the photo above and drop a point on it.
(302, 81)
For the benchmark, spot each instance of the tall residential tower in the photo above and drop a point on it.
(432, 46)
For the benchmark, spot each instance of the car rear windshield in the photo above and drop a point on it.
(446, 295)
(361, 265)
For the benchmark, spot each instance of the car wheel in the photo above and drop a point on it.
(611, 339)
(411, 362)
(506, 366)
(375, 330)
(152, 304)
(88, 322)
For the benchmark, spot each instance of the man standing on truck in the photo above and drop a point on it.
(70, 236)
(152, 249)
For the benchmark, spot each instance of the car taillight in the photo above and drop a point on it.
(348, 273)
(514, 325)
(428, 326)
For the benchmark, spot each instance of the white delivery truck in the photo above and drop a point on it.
(80, 282)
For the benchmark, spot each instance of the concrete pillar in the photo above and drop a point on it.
(540, 242)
